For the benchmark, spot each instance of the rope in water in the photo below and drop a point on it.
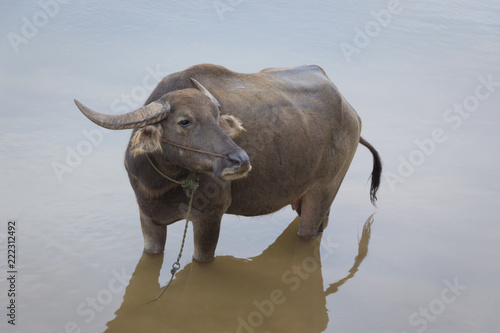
(188, 185)
(176, 265)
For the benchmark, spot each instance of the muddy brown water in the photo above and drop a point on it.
(279, 290)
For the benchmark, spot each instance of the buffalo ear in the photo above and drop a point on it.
(146, 140)
(231, 125)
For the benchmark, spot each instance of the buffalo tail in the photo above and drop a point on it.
(376, 172)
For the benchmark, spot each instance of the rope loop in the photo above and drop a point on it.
(189, 185)
(175, 267)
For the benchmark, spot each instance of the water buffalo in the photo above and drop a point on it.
(258, 142)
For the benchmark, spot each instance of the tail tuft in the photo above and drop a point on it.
(376, 172)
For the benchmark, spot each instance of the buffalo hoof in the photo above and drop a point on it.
(203, 258)
(153, 250)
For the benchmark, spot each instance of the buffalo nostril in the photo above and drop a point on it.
(235, 162)
(238, 159)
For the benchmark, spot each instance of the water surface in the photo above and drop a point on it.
(425, 262)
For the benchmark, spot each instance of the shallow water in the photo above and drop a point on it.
(279, 290)
(426, 261)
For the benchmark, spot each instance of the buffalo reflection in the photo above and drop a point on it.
(281, 290)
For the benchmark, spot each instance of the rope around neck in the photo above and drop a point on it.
(188, 185)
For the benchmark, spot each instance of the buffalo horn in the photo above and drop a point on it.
(146, 115)
(206, 92)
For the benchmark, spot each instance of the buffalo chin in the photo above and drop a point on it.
(232, 174)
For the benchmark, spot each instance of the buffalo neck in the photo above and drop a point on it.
(149, 174)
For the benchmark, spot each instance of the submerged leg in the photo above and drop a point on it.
(324, 224)
(315, 208)
(154, 235)
(206, 235)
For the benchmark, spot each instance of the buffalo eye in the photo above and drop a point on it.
(184, 123)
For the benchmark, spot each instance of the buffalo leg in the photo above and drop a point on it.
(325, 223)
(315, 208)
(154, 235)
(206, 235)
